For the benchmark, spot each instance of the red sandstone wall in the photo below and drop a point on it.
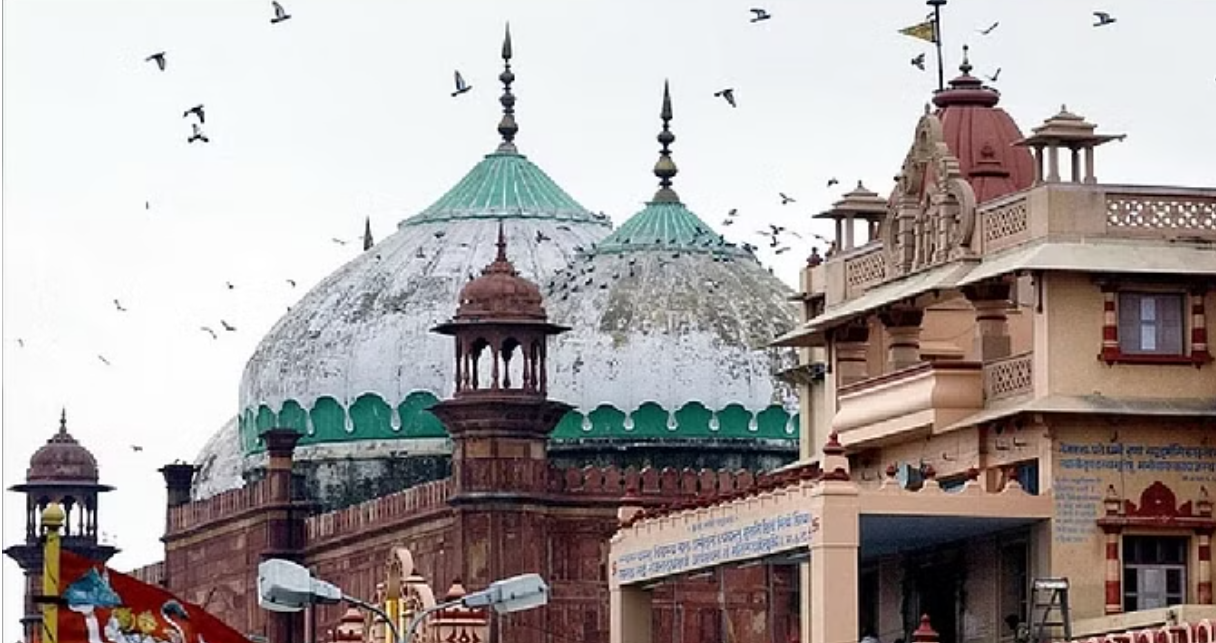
(213, 548)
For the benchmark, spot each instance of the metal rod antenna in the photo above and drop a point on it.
(937, 40)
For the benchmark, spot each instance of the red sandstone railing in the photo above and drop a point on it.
(1203, 631)
(613, 482)
(218, 507)
(408, 503)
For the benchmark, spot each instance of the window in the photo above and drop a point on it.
(1151, 323)
(1154, 572)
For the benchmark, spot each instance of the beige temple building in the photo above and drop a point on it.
(1005, 379)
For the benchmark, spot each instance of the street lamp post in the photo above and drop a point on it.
(285, 586)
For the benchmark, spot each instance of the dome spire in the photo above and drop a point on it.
(368, 241)
(966, 66)
(63, 421)
(507, 126)
(665, 168)
(501, 243)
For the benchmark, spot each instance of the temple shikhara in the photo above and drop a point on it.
(988, 415)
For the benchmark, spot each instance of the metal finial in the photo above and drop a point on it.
(502, 243)
(368, 241)
(665, 168)
(507, 126)
(966, 66)
(63, 420)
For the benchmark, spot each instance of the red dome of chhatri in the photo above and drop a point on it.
(500, 293)
(981, 135)
(62, 459)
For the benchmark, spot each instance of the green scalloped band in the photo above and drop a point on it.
(371, 418)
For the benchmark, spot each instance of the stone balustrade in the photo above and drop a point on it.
(1009, 377)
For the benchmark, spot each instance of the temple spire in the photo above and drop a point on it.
(665, 168)
(966, 66)
(368, 242)
(63, 421)
(507, 126)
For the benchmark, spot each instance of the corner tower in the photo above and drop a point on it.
(61, 471)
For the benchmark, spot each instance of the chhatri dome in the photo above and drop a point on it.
(666, 362)
(352, 365)
(982, 136)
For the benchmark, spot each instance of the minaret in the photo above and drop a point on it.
(500, 420)
(65, 472)
(665, 168)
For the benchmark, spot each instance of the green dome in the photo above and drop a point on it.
(506, 185)
(667, 226)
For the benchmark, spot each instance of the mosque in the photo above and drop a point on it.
(914, 445)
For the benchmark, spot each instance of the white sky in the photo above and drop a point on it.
(344, 111)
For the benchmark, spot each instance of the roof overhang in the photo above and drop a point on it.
(935, 278)
(1110, 255)
(1094, 404)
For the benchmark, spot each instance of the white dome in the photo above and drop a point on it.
(670, 327)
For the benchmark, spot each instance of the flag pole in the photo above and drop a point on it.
(52, 521)
(937, 40)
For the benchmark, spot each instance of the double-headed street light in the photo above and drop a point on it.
(284, 586)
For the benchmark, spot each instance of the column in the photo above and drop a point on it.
(1074, 165)
(1205, 567)
(281, 526)
(903, 326)
(835, 543)
(1114, 575)
(852, 347)
(848, 232)
(1038, 164)
(1053, 163)
(629, 614)
(1089, 165)
(1199, 327)
(1110, 325)
(990, 301)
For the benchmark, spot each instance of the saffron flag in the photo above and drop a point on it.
(101, 605)
(926, 30)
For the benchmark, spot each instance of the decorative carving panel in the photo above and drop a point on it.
(864, 271)
(1005, 225)
(1009, 377)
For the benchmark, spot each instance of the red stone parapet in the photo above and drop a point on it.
(228, 504)
(662, 491)
(417, 501)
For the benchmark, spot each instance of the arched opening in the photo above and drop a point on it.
(480, 370)
(536, 366)
(513, 362)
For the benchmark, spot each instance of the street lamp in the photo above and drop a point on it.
(284, 586)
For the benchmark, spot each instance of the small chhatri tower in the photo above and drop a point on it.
(500, 420)
(61, 471)
(499, 416)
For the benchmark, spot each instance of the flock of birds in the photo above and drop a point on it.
(774, 235)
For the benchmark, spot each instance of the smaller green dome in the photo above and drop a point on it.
(667, 226)
(506, 185)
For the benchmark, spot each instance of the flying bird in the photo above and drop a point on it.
(21, 342)
(147, 205)
(994, 76)
(197, 135)
(728, 221)
(760, 14)
(540, 236)
(461, 86)
(228, 327)
(119, 306)
(781, 250)
(832, 181)
(103, 360)
(985, 32)
(292, 282)
(158, 58)
(280, 14)
(734, 212)
(728, 94)
(231, 286)
(207, 329)
(197, 110)
(338, 241)
(136, 448)
(785, 199)
(919, 61)
(1104, 18)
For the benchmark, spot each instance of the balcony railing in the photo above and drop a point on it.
(1009, 377)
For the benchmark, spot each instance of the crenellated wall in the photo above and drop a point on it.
(412, 504)
(218, 508)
